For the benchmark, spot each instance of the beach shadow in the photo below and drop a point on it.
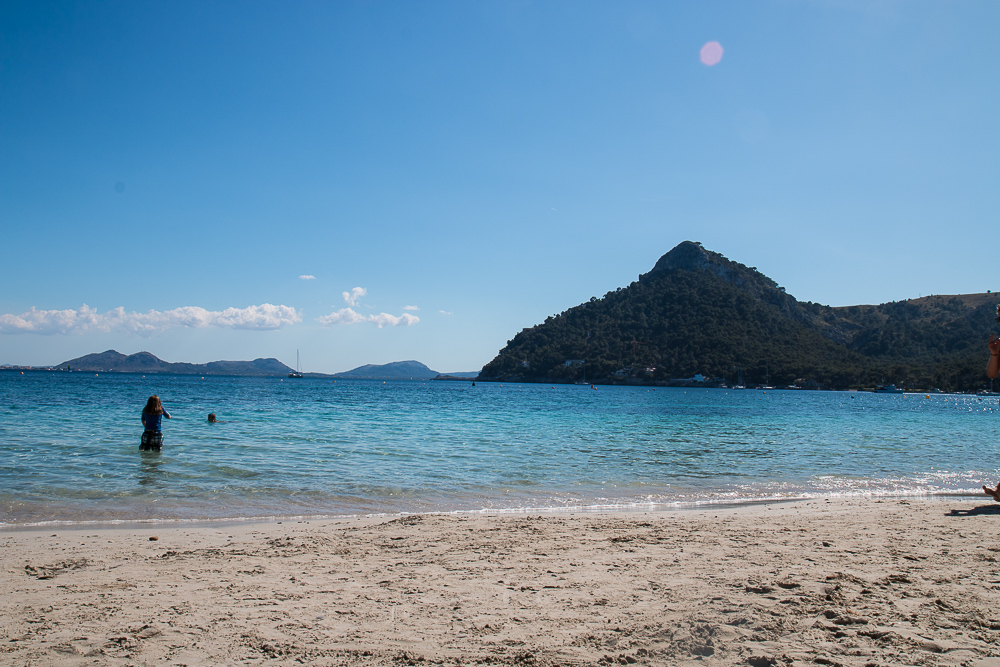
(981, 510)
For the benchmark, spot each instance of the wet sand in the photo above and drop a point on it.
(842, 582)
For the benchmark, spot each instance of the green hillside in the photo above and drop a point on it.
(697, 312)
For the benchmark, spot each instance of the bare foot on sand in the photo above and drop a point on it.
(993, 493)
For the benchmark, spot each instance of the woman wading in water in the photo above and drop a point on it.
(152, 417)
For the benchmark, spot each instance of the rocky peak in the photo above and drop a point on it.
(688, 255)
(691, 256)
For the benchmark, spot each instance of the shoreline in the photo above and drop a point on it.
(854, 581)
(675, 383)
(679, 506)
(655, 508)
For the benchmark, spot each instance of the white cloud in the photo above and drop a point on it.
(349, 316)
(445, 312)
(387, 320)
(410, 308)
(307, 277)
(264, 316)
(354, 295)
(342, 316)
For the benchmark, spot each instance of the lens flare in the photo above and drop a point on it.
(711, 53)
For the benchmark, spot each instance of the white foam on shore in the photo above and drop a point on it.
(964, 495)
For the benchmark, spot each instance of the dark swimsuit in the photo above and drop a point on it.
(151, 440)
(152, 437)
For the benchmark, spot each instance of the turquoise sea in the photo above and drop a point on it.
(318, 447)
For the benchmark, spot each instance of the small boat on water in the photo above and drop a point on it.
(887, 389)
(767, 377)
(297, 373)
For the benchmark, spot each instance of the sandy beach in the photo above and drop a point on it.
(841, 582)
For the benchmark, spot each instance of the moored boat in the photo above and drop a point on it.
(297, 373)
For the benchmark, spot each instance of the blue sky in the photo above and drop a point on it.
(377, 181)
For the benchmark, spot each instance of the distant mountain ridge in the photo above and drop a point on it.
(698, 313)
(397, 370)
(145, 362)
(112, 361)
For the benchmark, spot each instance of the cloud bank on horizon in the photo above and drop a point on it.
(49, 322)
(262, 317)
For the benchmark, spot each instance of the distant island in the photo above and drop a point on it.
(397, 370)
(113, 361)
(402, 370)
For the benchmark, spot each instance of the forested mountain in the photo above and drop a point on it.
(697, 312)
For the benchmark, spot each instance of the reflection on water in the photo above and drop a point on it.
(149, 468)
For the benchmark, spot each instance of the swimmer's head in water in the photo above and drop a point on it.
(211, 417)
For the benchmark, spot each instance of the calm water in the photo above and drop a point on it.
(69, 446)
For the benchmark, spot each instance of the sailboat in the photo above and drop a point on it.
(739, 379)
(297, 373)
(767, 377)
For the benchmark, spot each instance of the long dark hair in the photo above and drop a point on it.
(153, 406)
